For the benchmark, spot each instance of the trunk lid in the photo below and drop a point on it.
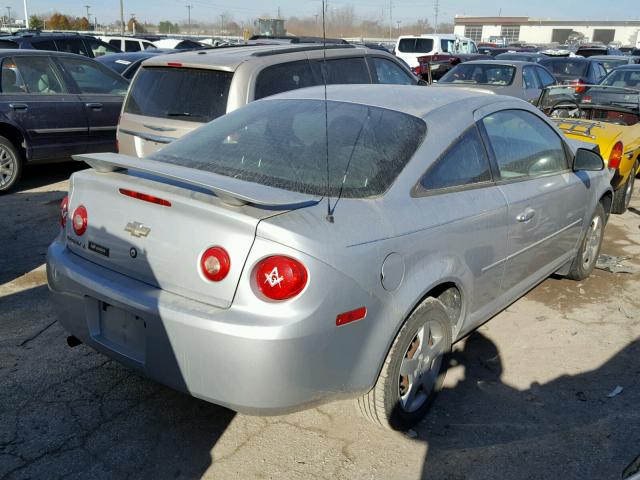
(162, 245)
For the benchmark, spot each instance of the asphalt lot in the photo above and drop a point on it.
(525, 398)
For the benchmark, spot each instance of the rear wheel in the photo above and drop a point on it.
(622, 196)
(10, 165)
(413, 371)
(587, 256)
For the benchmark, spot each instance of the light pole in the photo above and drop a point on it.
(26, 16)
(398, 22)
(189, 7)
(122, 17)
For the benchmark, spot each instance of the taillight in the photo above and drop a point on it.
(145, 197)
(615, 156)
(64, 211)
(215, 264)
(280, 277)
(80, 220)
(418, 70)
(577, 84)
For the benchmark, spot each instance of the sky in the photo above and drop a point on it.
(405, 11)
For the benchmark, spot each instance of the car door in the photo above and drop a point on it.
(40, 102)
(530, 84)
(458, 192)
(101, 92)
(546, 200)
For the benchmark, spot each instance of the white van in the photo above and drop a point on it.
(410, 47)
(128, 44)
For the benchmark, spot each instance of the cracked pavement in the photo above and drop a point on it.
(525, 396)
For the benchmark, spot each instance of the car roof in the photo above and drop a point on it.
(112, 57)
(410, 99)
(630, 66)
(522, 54)
(53, 35)
(499, 61)
(567, 59)
(229, 58)
(610, 57)
(6, 52)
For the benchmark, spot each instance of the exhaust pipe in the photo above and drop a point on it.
(73, 341)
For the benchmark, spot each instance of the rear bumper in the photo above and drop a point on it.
(206, 351)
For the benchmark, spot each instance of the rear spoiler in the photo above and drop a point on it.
(230, 190)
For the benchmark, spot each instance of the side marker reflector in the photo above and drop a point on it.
(352, 316)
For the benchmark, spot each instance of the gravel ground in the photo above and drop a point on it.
(525, 396)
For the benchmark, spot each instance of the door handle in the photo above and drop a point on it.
(94, 106)
(19, 106)
(527, 215)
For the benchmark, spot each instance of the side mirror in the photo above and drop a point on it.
(587, 160)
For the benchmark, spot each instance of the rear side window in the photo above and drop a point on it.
(148, 45)
(282, 144)
(345, 70)
(40, 75)
(545, 77)
(387, 72)
(115, 43)
(91, 77)
(11, 80)
(179, 93)
(524, 145)
(284, 77)
(529, 78)
(44, 45)
(9, 44)
(131, 46)
(72, 45)
(415, 45)
(465, 163)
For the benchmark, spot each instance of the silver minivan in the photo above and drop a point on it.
(172, 95)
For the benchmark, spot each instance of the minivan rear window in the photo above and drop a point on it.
(415, 45)
(282, 144)
(187, 94)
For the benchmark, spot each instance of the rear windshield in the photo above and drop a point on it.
(179, 93)
(415, 45)
(485, 74)
(282, 144)
(590, 52)
(568, 67)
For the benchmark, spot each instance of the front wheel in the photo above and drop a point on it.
(413, 371)
(587, 256)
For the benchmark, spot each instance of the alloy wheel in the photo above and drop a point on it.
(592, 241)
(7, 167)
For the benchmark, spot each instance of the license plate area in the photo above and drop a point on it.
(121, 331)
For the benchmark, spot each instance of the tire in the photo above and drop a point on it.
(385, 405)
(622, 196)
(10, 165)
(585, 260)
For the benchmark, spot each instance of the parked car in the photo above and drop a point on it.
(609, 62)
(592, 50)
(433, 67)
(59, 42)
(346, 273)
(410, 47)
(534, 57)
(575, 70)
(54, 105)
(493, 51)
(524, 80)
(127, 64)
(607, 116)
(172, 95)
(128, 44)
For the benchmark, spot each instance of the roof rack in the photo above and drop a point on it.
(299, 49)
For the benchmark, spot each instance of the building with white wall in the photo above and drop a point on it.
(542, 31)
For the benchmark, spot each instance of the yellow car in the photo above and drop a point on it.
(608, 117)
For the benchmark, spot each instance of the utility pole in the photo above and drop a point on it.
(316, 24)
(8, 15)
(133, 23)
(398, 22)
(436, 10)
(390, 19)
(122, 17)
(189, 7)
(26, 16)
(87, 7)
(278, 13)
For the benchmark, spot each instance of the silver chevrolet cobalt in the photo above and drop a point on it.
(300, 250)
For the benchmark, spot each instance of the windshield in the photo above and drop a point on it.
(179, 93)
(282, 144)
(415, 45)
(623, 78)
(567, 67)
(485, 74)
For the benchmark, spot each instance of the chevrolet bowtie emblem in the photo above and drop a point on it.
(137, 229)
